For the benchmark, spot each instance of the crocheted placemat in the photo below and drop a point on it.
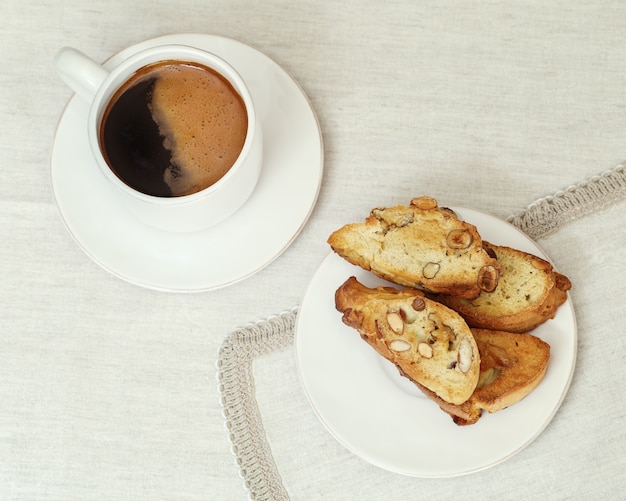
(241, 347)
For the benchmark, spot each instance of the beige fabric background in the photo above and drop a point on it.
(108, 391)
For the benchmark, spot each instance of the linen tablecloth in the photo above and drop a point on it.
(109, 390)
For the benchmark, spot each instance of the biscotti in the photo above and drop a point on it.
(511, 366)
(421, 246)
(529, 292)
(429, 343)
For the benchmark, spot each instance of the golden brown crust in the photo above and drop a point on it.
(529, 293)
(512, 366)
(429, 343)
(420, 246)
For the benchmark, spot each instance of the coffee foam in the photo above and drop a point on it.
(203, 122)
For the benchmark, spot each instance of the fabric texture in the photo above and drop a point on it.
(108, 390)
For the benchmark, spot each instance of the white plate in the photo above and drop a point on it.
(221, 255)
(381, 417)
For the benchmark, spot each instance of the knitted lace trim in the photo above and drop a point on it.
(547, 215)
(240, 409)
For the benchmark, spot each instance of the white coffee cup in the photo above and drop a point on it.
(97, 85)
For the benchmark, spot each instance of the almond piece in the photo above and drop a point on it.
(425, 350)
(424, 203)
(418, 304)
(394, 319)
(399, 345)
(488, 278)
(465, 356)
(459, 239)
(430, 270)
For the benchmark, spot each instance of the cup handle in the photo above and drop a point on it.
(80, 72)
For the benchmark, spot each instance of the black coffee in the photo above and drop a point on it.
(174, 128)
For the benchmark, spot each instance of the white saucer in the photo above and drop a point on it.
(221, 255)
(381, 417)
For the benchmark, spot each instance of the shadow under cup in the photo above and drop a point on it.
(176, 133)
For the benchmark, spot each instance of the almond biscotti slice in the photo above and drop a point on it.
(529, 292)
(429, 343)
(511, 366)
(421, 246)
